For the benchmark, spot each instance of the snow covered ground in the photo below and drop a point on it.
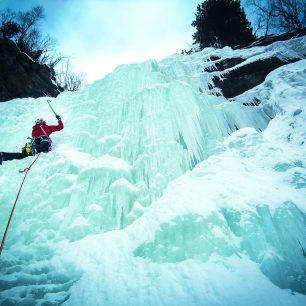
(150, 195)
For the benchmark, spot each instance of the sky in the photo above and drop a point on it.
(99, 35)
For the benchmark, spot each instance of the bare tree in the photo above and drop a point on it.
(264, 12)
(28, 21)
(7, 16)
(22, 27)
(67, 79)
(279, 15)
(29, 38)
(290, 14)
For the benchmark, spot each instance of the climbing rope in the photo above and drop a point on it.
(26, 170)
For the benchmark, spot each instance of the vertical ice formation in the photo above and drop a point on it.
(142, 163)
(152, 118)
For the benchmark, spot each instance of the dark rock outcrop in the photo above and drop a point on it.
(233, 76)
(21, 77)
(237, 81)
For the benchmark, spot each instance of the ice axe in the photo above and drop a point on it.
(49, 103)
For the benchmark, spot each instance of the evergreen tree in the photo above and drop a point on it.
(9, 29)
(221, 23)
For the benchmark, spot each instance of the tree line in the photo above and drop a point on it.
(218, 23)
(24, 29)
(222, 23)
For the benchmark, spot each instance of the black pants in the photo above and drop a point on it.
(40, 144)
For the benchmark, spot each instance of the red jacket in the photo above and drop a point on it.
(41, 129)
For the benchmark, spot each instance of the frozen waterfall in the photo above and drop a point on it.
(159, 192)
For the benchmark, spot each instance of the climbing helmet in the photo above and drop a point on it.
(37, 121)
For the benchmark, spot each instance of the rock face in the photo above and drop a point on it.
(21, 77)
(238, 74)
(245, 77)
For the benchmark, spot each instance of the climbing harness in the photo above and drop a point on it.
(46, 138)
(28, 148)
(26, 170)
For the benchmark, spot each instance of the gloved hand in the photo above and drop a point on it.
(58, 117)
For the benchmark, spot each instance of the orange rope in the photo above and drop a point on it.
(9, 221)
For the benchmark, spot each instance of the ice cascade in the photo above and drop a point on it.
(158, 192)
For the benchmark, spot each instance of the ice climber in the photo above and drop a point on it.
(40, 141)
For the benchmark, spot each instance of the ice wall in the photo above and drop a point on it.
(146, 200)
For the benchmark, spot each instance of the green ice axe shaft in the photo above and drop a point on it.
(49, 103)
